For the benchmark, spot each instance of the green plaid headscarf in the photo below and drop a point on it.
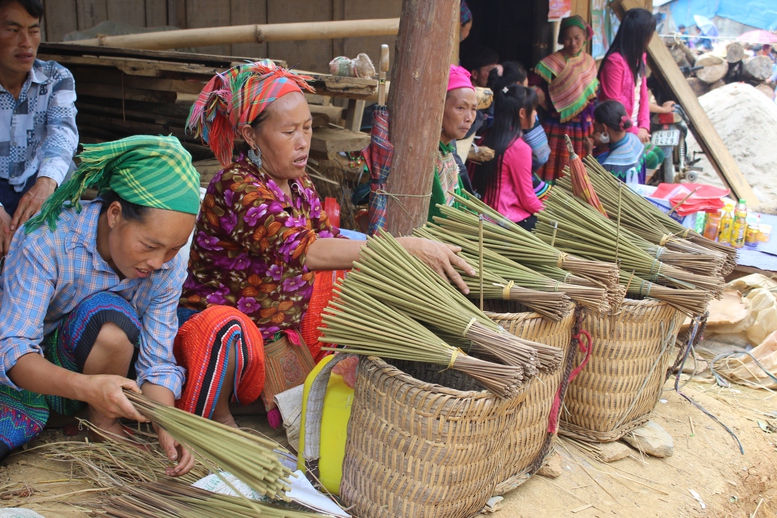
(149, 171)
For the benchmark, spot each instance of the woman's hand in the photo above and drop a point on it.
(105, 394)
(440, 257)
(667, 107)
(644, 135)
(588, 145)
(175, 452)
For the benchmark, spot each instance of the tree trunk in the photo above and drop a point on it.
(714, 69)
(419, 80)
(765, 89)
(734, 52)
(715, 86)
(698, 86)
(758, 69)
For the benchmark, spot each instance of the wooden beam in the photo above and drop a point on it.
(416, 100)
(332, 140)
(663, 65)
(354, 114)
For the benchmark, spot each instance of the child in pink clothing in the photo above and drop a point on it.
(505, 183)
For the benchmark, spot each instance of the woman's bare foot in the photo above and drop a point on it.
(110, 427)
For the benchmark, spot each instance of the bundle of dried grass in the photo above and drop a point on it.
(509, 239)
(645, 219)
(247, 456)
(591, 296)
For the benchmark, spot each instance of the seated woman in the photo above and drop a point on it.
(505, 183)
(262, 233)
(461, 105)
(89, 293)
(625, 157)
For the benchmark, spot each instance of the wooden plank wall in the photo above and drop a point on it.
(64, 16)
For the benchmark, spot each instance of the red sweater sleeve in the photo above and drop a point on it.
(611, 79)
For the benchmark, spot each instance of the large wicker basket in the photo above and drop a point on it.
(622, 382)
(529, 442)
(431, 448)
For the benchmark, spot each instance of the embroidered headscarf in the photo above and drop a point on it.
(235, 98)
(465, 15)
(148, 171)
(576, 21)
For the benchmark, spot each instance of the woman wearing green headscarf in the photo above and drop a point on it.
(89, 292)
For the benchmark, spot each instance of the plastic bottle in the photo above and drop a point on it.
(739, 228)
(726, 222)
(712, 225)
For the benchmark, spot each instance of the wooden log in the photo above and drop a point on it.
(663, 66)
(679, 56)
(765, 89)
(698, 86)
(416, 101)
(714, 70)
(734, 52)
(715, 86)
(757, 69)
(333, 140)
(248, 34)
(485, 97)
(113, 92)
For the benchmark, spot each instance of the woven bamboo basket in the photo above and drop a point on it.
(529, 442)
(422, 442)
(622, 382)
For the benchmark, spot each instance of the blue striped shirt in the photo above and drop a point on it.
(38, 131)
(47, 274)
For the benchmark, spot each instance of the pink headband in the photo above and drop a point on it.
(459, 77)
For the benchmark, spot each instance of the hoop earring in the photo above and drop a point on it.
(255, 157)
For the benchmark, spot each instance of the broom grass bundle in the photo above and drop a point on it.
(690, 302)
(652, 242)
(368, 327)
(509, 239)
(577, 228)
(591, 296)
(640, 215)
(248, 457)
(131, 469)
(387, 272)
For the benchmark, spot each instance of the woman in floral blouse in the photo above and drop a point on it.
(262, 233)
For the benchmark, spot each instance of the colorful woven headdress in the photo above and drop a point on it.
(235, 98)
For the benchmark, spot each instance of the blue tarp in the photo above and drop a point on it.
(761, 14)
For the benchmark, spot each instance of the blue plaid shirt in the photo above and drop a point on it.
(47, 274)
(38, 131)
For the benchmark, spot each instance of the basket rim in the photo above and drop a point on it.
(526, 315)
(434, 387)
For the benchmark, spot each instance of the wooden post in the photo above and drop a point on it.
(419, 80)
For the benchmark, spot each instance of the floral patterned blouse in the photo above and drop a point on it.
(250, 245)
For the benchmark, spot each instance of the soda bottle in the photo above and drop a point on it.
(739, 228)
(753, 231)
(726, 222)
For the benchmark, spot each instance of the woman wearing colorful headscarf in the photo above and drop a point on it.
(461, 106)
(262, 233)
(89, 293)
(566, 85)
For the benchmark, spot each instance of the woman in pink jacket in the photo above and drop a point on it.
(622, 74)
(505, 182)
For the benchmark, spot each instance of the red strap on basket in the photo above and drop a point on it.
(586, 349)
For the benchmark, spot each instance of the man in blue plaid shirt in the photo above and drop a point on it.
(38, 135)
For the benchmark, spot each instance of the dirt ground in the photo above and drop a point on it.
(706, 460)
